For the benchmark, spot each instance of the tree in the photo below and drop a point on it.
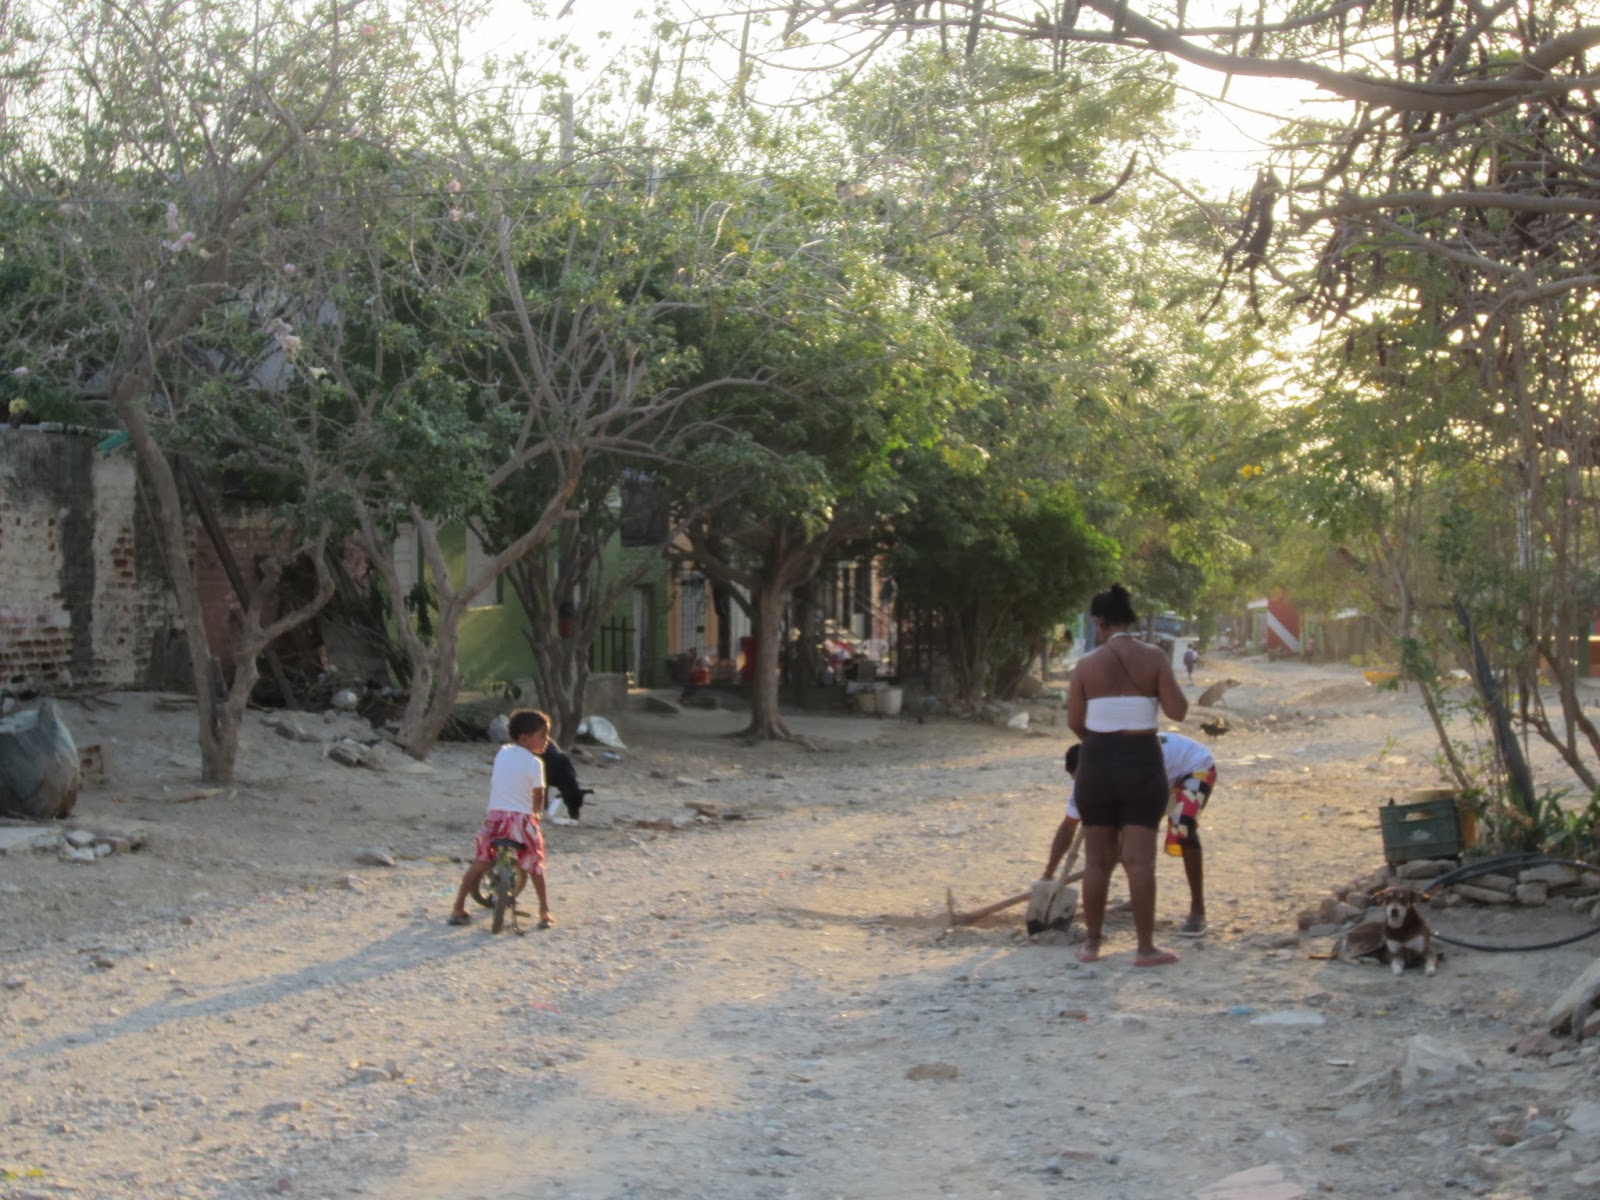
(522, 330)
(1002, 566)
(1082, 306)
(857, 372)
(169, 160)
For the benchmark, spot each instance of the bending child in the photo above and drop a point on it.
(1191, 772)
(516, 798)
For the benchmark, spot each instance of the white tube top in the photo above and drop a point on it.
(1113, 714)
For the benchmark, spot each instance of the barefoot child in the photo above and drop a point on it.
(1189, 766)
(516, 797)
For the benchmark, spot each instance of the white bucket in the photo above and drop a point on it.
(889, 701)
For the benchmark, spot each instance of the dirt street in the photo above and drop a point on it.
(770, 1006)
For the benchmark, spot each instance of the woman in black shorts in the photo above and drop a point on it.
(1115, 701)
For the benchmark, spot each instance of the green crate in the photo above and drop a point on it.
(1430, 829)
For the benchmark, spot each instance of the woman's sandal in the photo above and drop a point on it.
(546, 921)
(459, 919)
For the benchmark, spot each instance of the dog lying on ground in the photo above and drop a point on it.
(1405, 934)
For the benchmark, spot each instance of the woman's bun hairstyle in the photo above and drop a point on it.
(1114, 606)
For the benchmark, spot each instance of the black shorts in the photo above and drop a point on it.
(1121, 780)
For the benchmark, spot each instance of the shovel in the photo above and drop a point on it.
(1056, 888)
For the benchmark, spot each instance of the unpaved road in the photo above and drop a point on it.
(768, 1007)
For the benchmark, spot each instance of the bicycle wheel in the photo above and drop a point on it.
(483, 890)
(504, 890)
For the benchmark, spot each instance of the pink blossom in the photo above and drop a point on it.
(453, 186)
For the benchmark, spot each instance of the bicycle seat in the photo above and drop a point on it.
(512, 842)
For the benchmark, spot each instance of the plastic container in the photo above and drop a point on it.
(867, 701)
(1466, 817)
(889, 701)
(1429, 829)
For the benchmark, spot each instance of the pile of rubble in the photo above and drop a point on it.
(1530, 887)
(72, 843)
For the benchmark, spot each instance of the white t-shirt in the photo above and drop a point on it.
(517, 771)
(1183, 755)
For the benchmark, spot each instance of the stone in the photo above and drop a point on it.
(40, 772)
(345, 700)
(1290, 1016)
(83, 854)
(375, 857)
(25, 837)
(1582, 991)
(1496, 882)
(79, 838)
(1537, 1045)
(288, 729)
(1430, 1062)
(499, 729)
(352, 754)
(1584, 1118)
(934, 1070)
(1482, 895)
(1539, 1141)
(1378, 880)
(1535, 894)
(1258, 1183)
(1552, 875)
(1275, 941)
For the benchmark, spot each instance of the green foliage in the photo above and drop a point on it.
(1003, 560)
(1555, 826)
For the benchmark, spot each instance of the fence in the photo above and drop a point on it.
(611, 652)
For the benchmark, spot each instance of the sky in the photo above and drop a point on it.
(1228, 142)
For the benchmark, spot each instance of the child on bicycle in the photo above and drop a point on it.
(516, 798)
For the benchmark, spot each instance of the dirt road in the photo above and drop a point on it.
(764, 1007)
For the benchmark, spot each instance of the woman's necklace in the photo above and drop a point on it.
(1115, 636)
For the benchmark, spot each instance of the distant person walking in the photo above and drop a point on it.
(1117, 695)
(1191, 656)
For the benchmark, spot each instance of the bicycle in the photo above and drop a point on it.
(505, 882)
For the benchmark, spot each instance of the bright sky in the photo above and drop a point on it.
(1229, 137)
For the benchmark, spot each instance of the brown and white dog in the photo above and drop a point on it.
(1405, 933)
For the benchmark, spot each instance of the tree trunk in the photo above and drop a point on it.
(217, 754)
(766, 621)
(435, 684)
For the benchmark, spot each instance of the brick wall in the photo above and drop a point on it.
(84, 591)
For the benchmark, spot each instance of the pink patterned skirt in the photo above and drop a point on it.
(519, 827)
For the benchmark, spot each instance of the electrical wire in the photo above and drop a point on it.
(1490, 866)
